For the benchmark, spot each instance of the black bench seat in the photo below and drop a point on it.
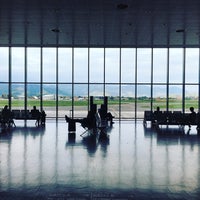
(170, 118)
(40, 118)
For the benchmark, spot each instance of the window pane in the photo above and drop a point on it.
(112, 65)
(128, 101)
(4, 64)
(33, 98)
(175, 97)
(64, 100)
(96, 90)
(49, 64)
(112, 92)
(176, 65)
(159, 97)
(17, 91)
(159, 65)
(33, 64)
(96, 65)
(18, 64)
(80, 100)
(128, 65)
(143, 99)
(65, 65)
(80, 65)
(3, 95)
(144, 65)
(49, 99)
(192, 66)
(191, 97)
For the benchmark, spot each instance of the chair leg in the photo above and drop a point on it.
(83, 133)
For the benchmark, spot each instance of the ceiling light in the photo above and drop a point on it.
(55, 30)
(180, 30)
(122, 6)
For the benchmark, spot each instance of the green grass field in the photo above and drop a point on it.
(145, 104)
(51, 103)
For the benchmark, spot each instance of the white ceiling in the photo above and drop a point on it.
(100, 23)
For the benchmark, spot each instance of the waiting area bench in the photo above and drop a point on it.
(170, 118)
(8, 121)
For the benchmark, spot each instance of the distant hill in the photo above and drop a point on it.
(82, 90)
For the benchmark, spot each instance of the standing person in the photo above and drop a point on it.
(43, 118)
(192, 116)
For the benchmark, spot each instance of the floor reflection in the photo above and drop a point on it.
(91, 140)
(127, 161)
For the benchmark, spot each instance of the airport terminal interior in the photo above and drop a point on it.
(102, 99)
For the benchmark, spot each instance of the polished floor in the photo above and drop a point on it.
(133, 162)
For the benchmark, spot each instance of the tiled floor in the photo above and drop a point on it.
(133, 163)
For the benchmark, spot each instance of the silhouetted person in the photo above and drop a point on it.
(102, 112)
(35, 114)
(157, 111)
(5, 112)
(110, 117)
(192, 116)
(104, 115)
(7, 116)
(198, 122)
(88, 122)
(43, 118)
(157, 116)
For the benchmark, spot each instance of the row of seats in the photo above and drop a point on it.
(23, 114)
(7, 118)
(170, 118)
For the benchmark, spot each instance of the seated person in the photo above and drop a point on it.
(35, 114)
(7, 118)
(157, 115)
(102, 112)
(198, 121)
(157, 112)
(6, 112)
(110, 117)
(104, 115)
(88, 122)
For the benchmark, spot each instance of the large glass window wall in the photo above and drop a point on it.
(61, 80)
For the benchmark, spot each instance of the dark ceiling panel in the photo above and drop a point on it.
(105, 23)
